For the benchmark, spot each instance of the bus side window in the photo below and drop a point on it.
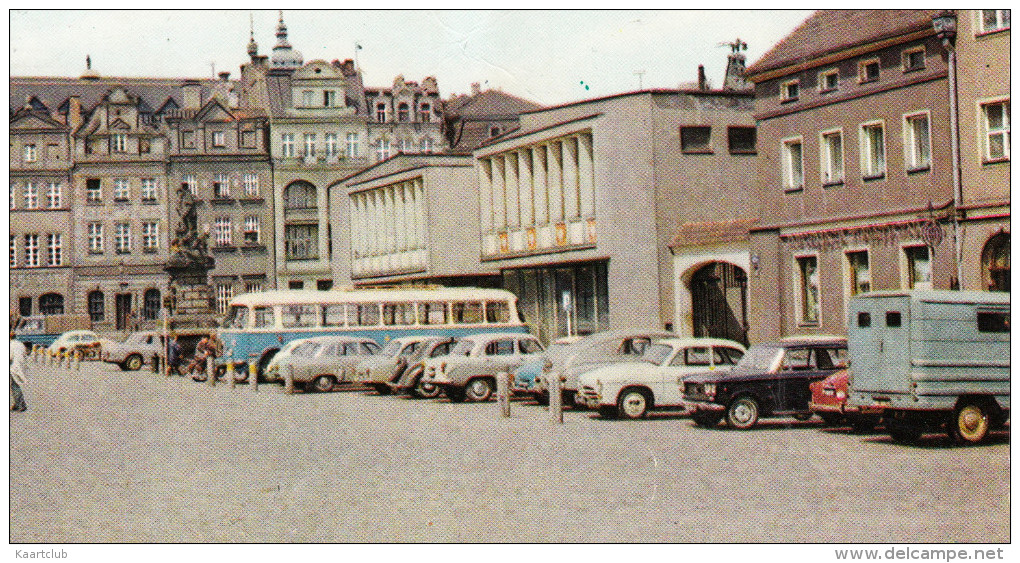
(467, 313)
(366, 314)
(432, 313)
(497, 312)
(398, 314)
(298, 316)
(264, 317)
(334, 315)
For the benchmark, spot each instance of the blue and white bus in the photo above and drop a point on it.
(257, 325)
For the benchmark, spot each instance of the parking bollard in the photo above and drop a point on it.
(503, 393)
(77, 361)
(230, 374)
(555, 397)
(210, 372)
(67, 359)
(253, 376)
(288, 378)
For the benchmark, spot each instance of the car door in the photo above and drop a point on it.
(692, 359)
(793, 373)
(500, 355)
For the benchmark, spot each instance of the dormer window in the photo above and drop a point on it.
(329, 98)
(790, 91)
(31, 155)
(426, 113)
(913, 59)
(380, 112)
(118, 143)
(219, 139)
(994, 20)
(828, 80)
(308, 98)
(403, 113)
(868, 71)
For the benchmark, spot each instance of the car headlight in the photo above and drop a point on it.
(841, 394)
(829, 391)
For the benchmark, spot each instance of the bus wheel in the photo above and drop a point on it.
(969, 423)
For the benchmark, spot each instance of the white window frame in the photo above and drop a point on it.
(30, 153)
(95, 237)
(821, 80)
(118, 142)
(425, 112)
(329, 98)
(848, 270)
(31, 196)
(14, 252)
(332, 146)
(910, 146)
(54, 247)
(787, 163)
(380, 112)
(425, 145)
(223, 233)
(150, 236)
(308, 98)
(785, 87)
(905, 57)
(253, 286)
(287, 145)
(252, 225)
(122, 238)
(121, 189)
(219, 138)
(865, 149)
(309, 142)
(825, 158)
(999, 26)
(192, 183)
(986, 133)
(149, 189)
(382, 150)
(906, 266)
(54, 195)
(251, 185)
(224, 182)
(32, 250)
(862, 75)
(224, 293)
(799, 286)
(352, 148)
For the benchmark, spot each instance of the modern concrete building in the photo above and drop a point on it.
(578, 207)
(854, 168)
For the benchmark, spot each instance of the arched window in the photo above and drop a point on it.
(97, 306)
(426, 113)
(403, 112)
(995, 263)
(51, 304)
(300, 195)
(151, 304)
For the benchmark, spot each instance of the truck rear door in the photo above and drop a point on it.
(879, 341)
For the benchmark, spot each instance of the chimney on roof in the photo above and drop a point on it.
(702, 81)
(74, 113)
(224, 76)
(192, 91)
(476, 88)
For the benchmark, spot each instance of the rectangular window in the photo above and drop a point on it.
(287, 144)
(224, 293)
(864, 319)
(308, 98)
(406, 146)
(302, 242)
(425, 145)
(742, 140)
(222, 233)
(221, 186)
(918, 267)
(14, 252)
(868, 71)
(913, 59)
(309, 144)
(93, 190)
(219, 139)
(807, 268)
(188, 139)
(695, 139)
(994, 20)
(251, 185)
(149, 190)
(150, 236)
(426, 113)
(54, 249)
(793, 165)
(31, 197)
(121, 189)
(95, 238)
(497, 312)
(995, 117)
(893, 319)
(398, 314)
(917, 141)
(790, 91)
(329, 98)
(467, 313)
(828, 80)
(144, 145)
(352, 149)
(251, 229)
(432, 313)
(32, 250)
(248, 139)
(118, 142)
(873, 150)
(380, 113)
(860, 272)
(54, 195)
(332, 147)
(122, 238)
(192, 184)
(52, 152)
(30, 153)
(832, 158)
(382, 150)
(992, 321)
(252, 286)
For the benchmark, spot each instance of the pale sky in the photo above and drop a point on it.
(550, 57)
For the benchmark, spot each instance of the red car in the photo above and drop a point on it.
(828, 400)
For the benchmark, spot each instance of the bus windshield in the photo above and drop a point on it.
(237, 317)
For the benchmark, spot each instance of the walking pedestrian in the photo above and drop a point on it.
(173, 355)
(18, 379)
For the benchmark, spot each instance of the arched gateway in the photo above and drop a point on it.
(719, 302)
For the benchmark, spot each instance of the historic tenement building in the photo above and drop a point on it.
(471, 120)
(854, 168)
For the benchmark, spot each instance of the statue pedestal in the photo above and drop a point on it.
(194, 306)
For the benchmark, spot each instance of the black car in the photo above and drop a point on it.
(770, 380)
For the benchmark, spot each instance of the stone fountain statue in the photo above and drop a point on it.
(189, 266)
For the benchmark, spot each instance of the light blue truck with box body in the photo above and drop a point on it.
(930, 360)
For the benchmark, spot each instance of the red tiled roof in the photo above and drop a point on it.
(828, 31)
(697, 234)
(489, 103)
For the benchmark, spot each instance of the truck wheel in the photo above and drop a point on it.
(633, 403)
(742, 413)
(132, 363)
(479, 390)
(903, 432)
(969, 423)
(706, 419)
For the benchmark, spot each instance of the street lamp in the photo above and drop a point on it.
(944, 24)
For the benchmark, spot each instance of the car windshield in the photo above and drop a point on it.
(463, 348)
(759, 358)
(306, 349)
(391, 349)
(657, 353)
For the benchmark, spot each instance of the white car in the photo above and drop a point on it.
(469, 370)
(272, 371)
(655, 379)
(85, 340)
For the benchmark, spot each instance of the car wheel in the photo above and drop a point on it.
(323, 383)
(633, 403)
(803, 416)
(542, 399)
(903, 432)
(608, 412)
(969, 423)
(706, 419)
(381, 388)
(742, 413)
(133, 363)
(831, 419)
(479, 390)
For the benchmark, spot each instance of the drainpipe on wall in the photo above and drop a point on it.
(945, 28)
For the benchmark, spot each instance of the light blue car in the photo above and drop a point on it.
(524, 376)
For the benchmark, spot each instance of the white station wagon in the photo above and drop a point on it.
(469, 370)
(654, 379)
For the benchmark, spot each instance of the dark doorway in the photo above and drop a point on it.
(719, 301)
(123, 301)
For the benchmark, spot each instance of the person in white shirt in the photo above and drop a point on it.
(18, 378)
